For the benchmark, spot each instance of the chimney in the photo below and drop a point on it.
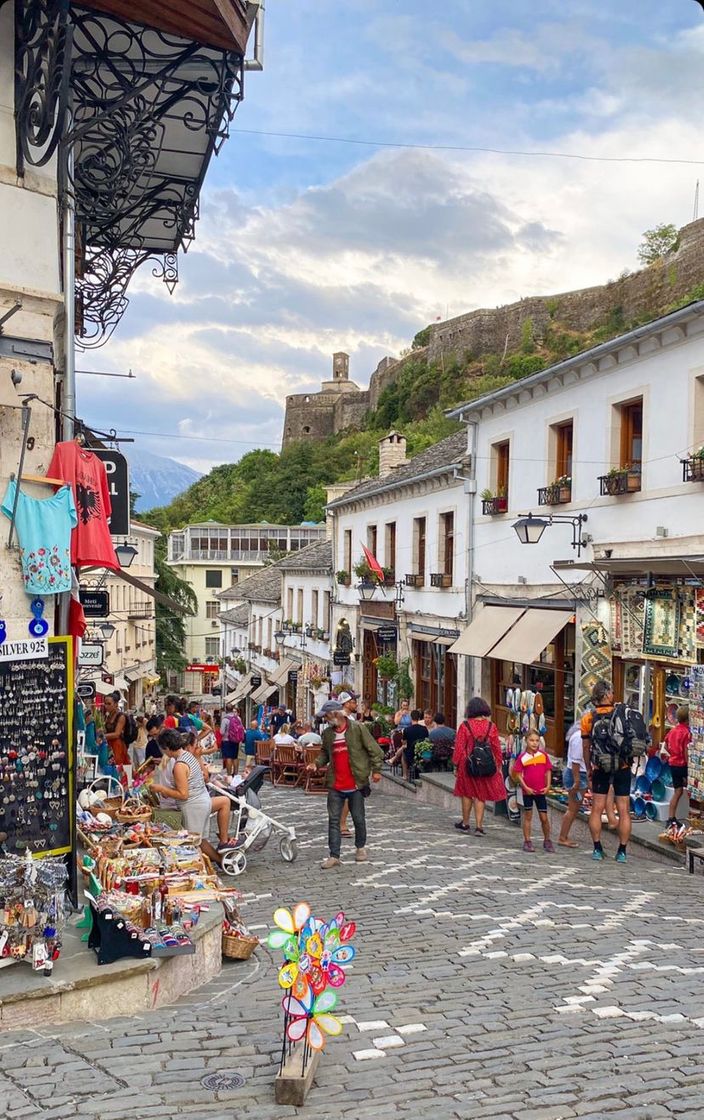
(392, 453)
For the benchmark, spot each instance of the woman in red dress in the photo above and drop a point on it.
(476, 791)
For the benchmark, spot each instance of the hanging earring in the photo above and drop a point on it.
(38, 626)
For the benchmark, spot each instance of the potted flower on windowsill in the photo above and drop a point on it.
(343, 578)
(622, 480)
(386, 666)
(494, 503)
(693, 466)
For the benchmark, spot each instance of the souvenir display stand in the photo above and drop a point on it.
(31, 910)
(37, 753)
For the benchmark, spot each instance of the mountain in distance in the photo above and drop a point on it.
(157, 479)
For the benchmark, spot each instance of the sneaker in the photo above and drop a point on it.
(360, 856)
(528, 846)
(462, 827)
(548, 845)
(331, 861)
(598, 854)
(621, 857)
(479, 832)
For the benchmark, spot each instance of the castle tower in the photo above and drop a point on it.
(340, 376)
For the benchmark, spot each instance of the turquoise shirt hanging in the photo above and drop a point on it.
(44, 532)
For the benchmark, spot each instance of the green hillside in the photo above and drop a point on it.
(289, 487)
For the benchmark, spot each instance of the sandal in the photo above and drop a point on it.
(568, 843)
(345, 832)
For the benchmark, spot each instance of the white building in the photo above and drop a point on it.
(413, 519)
(304, 640)
(212, 557)
(612, 433)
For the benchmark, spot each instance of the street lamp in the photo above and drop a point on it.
(125, 554)
(366, 589)
(529, 529)
(107, 630)
(279, 637)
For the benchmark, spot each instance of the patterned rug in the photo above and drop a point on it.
(595, 661)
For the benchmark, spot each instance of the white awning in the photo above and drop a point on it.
(281, 674)
(242, 690)
(263, 693)
(102, 688)
(121, 683)
(527, 639)
(486, 629)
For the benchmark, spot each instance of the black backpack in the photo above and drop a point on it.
(480, 761)
(617, 738)
(130, 733)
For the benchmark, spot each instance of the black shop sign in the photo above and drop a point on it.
(387, 634)
(339, 658)
(256, 681)
(118, 474)
(96, 604)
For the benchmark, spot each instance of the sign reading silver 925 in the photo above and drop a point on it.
(91, 655)
(26, 649)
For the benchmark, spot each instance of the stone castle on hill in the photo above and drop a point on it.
(635, 297)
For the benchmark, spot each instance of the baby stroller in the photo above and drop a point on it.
(253, 827)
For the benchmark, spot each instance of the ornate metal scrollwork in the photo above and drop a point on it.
(42, 70)
(149, 110)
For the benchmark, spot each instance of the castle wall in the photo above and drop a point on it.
(642, 295)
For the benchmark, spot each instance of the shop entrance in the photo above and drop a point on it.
(436, 680)
(552, 675)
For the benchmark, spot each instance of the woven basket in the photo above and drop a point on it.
(133, 811)
(238, 948)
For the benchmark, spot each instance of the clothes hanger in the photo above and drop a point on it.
(41, 479)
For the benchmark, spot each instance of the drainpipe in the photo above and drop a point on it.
(470, 489)
(69, 269)
(257, 61)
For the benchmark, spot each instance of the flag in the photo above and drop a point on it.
(374, 565)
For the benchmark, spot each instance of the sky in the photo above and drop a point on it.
(306, 246)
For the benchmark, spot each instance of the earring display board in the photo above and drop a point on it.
(37, 753)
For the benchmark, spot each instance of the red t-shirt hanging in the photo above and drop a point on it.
(91, 543)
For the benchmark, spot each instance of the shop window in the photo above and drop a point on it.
(211, 610)
(213, 578)
(631, 433)
(447, 543)
(390, 546)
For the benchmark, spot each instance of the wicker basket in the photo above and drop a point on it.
(238, 948)
(133, 811)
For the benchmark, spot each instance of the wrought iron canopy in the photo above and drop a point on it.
(136, 114)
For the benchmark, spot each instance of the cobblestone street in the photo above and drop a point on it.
(488, 983)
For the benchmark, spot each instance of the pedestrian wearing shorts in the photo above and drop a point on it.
(600, 782)
(534, 772)
(675, 749)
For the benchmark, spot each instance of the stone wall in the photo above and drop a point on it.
(638, 296)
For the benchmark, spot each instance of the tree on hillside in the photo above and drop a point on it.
(657, 243)
(170, 627)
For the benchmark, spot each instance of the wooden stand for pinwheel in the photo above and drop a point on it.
(293, 1081)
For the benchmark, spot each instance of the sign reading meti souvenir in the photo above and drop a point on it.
(96, 604)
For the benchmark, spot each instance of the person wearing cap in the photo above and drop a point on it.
(349, 707)
(352, 757)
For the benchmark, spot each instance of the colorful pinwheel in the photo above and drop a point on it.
(316, 954)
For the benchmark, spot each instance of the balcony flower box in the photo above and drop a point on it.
(558, 493)
(493, 506)
(344, 579)
(620, 481)
(693, 467)
(414, 579)
(440, 579)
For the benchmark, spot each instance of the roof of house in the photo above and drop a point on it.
(264, 586)
(236, 616)
(316, 557)
(441, 456)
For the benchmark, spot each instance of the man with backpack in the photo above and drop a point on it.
(612, 735)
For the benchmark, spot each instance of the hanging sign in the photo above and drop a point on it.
(86, 690)
(118, 474)
(91, 654)
(96, 604)
(387, 634)
(293, 676)
(256, 681)
(339, 658)
(26, 649)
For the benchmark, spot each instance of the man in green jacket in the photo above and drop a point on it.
(352, 756)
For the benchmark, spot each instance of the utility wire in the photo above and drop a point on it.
(467, 148)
